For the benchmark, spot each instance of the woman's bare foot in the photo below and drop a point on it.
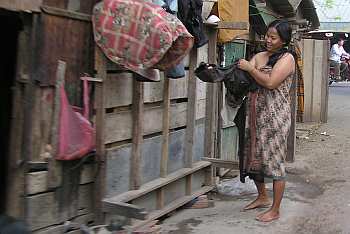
(268, 216)
(259, 202)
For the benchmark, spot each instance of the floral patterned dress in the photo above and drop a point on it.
(266, 131)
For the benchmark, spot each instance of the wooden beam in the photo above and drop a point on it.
(191, 109)
(172, 206)
(100, 65)
(211, 100)
(160, 182)
(160, 198)
(65, 13)
(223, 163)
(137, 135)
(189, 184)
(21, 5)
(54, 167)
(16, 172)
(124, 209)
(165, 131)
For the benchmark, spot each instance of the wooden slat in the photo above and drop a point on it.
(158, 183)
(325, 88)
(42, 210)
(54, 167)
(210, 107)
(87, 174)
(173, 206)
(191, 110)
(137, 135)
(119, 89)
(65, 13)
(188, 185)
(165, 131)
(74, 223)
(160, 198)
(21, 5)
(100, 64)
(202, 56)
(15, 176)
(124, 209)
(223, 163)
(46, 111)
(308, 48)
(54, 32)
(317, 81)
(119, 125)
(36, 182)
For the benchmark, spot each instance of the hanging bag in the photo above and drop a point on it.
(76, 135)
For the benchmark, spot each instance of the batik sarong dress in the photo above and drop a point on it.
(266, 131)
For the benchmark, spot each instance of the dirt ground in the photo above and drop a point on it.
(317, 195)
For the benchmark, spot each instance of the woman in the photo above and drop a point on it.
(269, 117)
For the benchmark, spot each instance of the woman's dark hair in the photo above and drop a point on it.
(285, 32)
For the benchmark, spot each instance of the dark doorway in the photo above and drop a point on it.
(10, 25)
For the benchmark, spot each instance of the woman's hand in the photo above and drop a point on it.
(245, 65)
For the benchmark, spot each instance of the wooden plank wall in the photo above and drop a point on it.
(46, 203)
(315, 71)
(119, 123)
(153, 133)
(32, 196)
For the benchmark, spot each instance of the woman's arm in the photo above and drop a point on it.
(281, 70)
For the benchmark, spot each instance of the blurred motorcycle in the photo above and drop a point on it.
(344, 71)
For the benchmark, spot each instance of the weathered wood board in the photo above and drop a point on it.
(202, 56)
(44, 210)
(315, 56)
(229, 143)
(21, 5)
(119, 125)
(118, 160)
(119, 89)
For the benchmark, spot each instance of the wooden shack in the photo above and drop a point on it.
(151, 137)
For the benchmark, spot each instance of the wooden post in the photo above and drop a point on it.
(15, 177)
(188, 185)
(191, 109)
(100, 65)
(165, 141)
(165, 131)
(308, 73)
(211, 100)
(137, 135)
(160, 198)
(324, 83)
(54, 167)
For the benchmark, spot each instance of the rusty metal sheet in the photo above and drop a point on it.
(69, 40)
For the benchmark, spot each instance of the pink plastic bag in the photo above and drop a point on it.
(76, 134)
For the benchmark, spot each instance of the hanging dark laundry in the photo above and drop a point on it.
(190, 13)
(237, 82)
